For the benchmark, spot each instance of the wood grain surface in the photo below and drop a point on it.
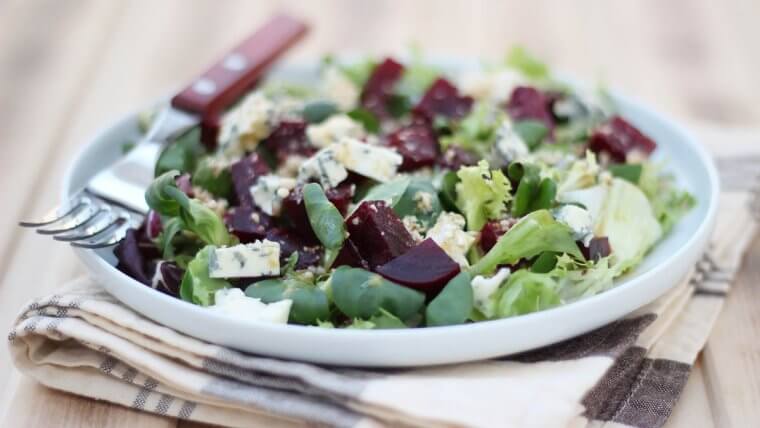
(67, 67)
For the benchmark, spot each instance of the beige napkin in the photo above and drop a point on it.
(629, 373)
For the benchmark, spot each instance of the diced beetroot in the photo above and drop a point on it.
(597, 248)
(417, 144)
(289, 138)
(309, 254)
(378, 233)
(490, 233)
(247, 223)
(443, 99)
(184, 184)
(379, 87)
(244, 174)
(529, 103)
(294, 210)
(349, 256)
(425, 267)
(456, 157)
(617, 138)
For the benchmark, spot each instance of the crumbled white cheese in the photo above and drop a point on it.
(260, 258)
(325, 167)
(338, 88)
(376, 162)
(424, 201)
(483, 288)
(245, 125)
(270, 190)
(448, 232)
(333, 130)
(493, 86)
(578, 220)
(234, 303)
(414, 227)
(509, 145)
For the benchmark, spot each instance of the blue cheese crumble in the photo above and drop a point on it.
(260, 258)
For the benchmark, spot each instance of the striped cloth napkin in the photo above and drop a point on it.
(628, 373)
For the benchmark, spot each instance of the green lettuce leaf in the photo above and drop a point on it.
(533, 234)
(669, 203)
(527, 292)
(628, 221)
(530, 67)
(482, 194)
(476, 132)
(197, 286)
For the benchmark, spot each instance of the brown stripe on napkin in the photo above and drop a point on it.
(611, 340)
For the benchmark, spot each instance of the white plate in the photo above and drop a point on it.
(668, 263)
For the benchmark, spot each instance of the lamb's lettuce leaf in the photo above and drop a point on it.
(167, 199)
(197, 286)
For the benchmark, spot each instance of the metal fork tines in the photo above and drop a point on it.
(87, 221)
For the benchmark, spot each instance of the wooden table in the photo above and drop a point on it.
(69, 66)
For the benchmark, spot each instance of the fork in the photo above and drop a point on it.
(113, 201)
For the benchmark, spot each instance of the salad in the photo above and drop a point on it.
(392, 195)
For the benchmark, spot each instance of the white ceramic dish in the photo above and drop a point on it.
(669, 262)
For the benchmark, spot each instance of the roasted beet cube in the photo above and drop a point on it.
(378, 233)
(294, 210)
(426, 268)
(443, 99)
(247, 223)
(289, 138)
(617, 138)
(349, 256)
(529, 103)
(309, 253)
(490, 233)
(455, 157)
(597, 248)
(417, 143)
(379, 87)
(244, 174)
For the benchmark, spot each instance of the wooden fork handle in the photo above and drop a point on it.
(228, 79)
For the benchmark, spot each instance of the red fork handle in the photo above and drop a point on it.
(228, 79)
